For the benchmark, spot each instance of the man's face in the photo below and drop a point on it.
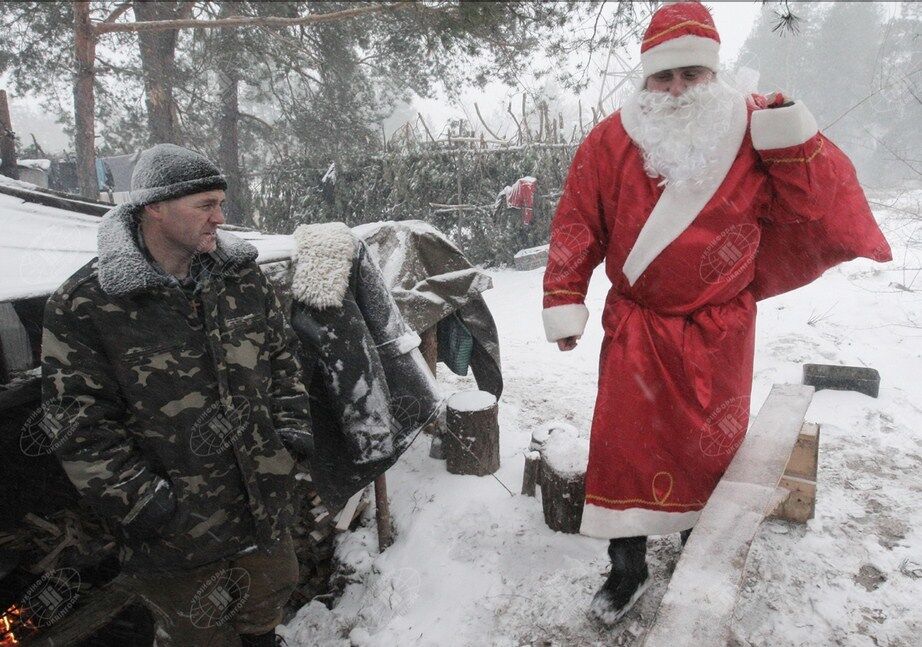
(189, 223)
(678, 79)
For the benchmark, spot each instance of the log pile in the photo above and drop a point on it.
(65, 538)
(314, 539)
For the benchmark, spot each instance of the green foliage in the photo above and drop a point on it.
(404, 186)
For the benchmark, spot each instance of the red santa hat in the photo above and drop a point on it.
(680, 34)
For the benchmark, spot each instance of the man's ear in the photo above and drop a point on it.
(153, 211)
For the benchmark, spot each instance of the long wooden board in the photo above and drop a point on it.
(702, 593)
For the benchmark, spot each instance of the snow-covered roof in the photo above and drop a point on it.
(42, 245)
(41, 164)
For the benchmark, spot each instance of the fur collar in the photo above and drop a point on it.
(323, 262)
(123, 269)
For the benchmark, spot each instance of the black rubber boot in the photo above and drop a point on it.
(269, 639)
(628, 579)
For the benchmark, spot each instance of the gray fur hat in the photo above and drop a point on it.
(167, 171)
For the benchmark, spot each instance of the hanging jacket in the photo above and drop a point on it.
(371, 391)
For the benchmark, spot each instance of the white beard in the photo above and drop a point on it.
(680, 136)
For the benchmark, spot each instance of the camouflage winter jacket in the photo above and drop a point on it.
(175, 399)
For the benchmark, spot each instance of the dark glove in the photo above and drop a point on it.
(299, 442)
(151, 516)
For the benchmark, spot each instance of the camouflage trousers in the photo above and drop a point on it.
(211, 605)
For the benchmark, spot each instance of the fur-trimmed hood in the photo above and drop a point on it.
(123, 268)
(324, 256)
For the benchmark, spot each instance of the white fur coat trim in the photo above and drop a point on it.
(678, 207)
(324, 254)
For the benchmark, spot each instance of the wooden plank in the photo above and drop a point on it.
(799, 501)
(797, 489)
(805, 456)
(702, 593)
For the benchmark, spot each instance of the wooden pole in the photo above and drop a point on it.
(7, 140)
(429, 347)
(383, 514)
(85, 101)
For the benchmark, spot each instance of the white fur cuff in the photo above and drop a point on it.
(565, 321)
(782, 127)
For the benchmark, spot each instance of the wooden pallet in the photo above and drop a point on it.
(779, 450)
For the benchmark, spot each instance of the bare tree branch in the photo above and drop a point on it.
(118, 11)
(249, 21)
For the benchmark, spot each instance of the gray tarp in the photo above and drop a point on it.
(431, 279)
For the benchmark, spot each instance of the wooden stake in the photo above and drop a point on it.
(429, 347)
(383, 514)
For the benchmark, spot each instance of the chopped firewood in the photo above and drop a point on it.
(40, 523)
(347, 515)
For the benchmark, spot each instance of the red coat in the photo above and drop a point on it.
(679, 321)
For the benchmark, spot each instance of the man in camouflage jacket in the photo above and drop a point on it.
(183, 382)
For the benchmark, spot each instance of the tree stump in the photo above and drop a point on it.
(471, 440)
(562, 473)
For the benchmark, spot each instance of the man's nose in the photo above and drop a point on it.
(217, 215)
(677, 87)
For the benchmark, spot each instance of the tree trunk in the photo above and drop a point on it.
(235, 209)
(7, 140)
(158, 56)
(85, 101)
(471, 441)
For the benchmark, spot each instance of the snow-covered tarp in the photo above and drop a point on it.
(431, 279)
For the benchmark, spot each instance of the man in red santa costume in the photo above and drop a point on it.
(701, 201)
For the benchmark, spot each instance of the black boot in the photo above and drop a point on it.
(628, 579)
(269, 639)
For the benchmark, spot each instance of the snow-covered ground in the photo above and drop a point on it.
(473, 565)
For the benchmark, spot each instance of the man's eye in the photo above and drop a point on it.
(663, 78)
